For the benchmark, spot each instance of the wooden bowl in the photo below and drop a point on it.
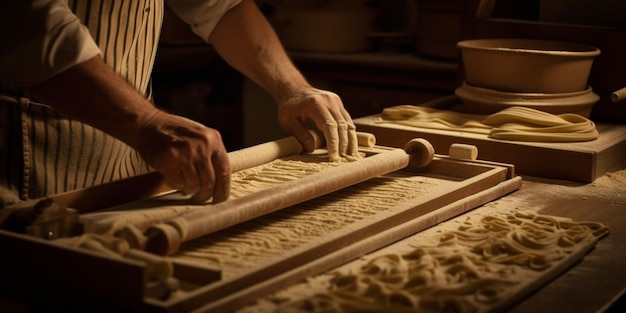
(527, 65)
(479, 100)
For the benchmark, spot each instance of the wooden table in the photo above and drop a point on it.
(594, 284)
(600, 278)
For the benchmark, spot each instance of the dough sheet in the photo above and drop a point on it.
(268, 238)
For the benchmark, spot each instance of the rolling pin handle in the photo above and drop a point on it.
(366, 139)
(618, 95)
(163, 239)
(133, 236)
(421, 152)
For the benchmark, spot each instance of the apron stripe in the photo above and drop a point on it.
(59, 154)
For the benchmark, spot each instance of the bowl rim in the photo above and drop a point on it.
(529, 46)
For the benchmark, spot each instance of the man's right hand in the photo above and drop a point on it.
(190, 155)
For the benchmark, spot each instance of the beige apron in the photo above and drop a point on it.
(43, 153)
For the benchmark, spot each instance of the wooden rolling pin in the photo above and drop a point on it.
(239, 160)
(270, 151)
(166, 238)
(148, 185)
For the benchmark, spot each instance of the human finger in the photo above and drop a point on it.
(333, 126)
(297, 129)
(331, 135)
(171, 172)
(206, 176)
(191, 178)
(221, 163)
(353, 141)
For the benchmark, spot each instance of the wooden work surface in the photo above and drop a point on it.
(600, 278)
(596, 283)
(597, 280)
(580, 161)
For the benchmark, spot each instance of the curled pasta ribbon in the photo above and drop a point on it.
(474, 266)
(513, 123)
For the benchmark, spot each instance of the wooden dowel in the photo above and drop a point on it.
(265, 152)
(619, 95)
(366, 139)
(151, 184)
(270, 151)
(165, 239)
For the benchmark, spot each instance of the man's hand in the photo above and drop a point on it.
(246, 40)
(191, 156)
(326, 110)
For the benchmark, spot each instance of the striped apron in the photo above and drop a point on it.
(44, 153)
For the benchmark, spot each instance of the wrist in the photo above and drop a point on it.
(283, 91)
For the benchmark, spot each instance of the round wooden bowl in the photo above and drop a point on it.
(527, 65)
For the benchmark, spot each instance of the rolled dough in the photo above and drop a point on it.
(514, 123)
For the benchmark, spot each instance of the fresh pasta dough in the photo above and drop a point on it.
(514, 123)
(267, 238)
(474, 268)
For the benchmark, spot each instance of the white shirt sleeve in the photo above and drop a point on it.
(39, 39)
(201, 15)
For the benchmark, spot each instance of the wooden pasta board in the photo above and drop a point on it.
(91, 280)
(580, 161)
(528, 280)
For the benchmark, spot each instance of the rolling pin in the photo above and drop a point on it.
(139, 187)
(166, 238)
(270, 151)
(239, 160)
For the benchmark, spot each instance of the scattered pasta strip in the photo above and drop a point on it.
(470, 269)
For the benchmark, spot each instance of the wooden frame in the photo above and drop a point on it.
(114, 284)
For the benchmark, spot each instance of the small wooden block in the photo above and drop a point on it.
(366, 139)
(463, 152)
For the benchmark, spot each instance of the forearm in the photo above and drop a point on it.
(245, 39)
(248, 43)
(92, 93)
